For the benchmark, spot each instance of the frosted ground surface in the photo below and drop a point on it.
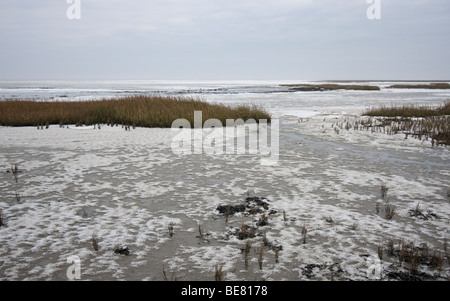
(126, 187)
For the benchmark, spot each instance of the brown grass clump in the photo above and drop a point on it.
(389, 211)
(135, 111)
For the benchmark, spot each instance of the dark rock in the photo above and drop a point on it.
(308, 270)
(233, 209)
(256, 201)
(122, 251)
(245, 232)
(420, 214)
(262, 222)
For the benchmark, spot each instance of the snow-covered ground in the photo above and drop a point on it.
(126, 187)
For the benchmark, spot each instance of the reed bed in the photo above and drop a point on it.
(410, 111)
(421, 122)
(141, 111)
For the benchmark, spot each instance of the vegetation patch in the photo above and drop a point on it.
(329, 87)
(421, 86)
(409, 111)
(421, 122)
(141, 111)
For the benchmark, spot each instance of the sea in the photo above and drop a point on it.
(276, 96)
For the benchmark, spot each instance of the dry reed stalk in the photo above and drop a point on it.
(227, 213)
(95, 243)
(15, 171)
(384, 189)
(275, 250)
(260, 257)
(200, 231)
(389, 211)
(170, 228)
(304, 232)
(247, 249)
(380, 252)
(165, 278)
(218, 272)
(415, 261)
(2, 223)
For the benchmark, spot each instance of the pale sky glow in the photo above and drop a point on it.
(224, 39)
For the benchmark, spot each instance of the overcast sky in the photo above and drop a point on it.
(224, 39)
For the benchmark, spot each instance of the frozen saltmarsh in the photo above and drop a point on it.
(126, 187)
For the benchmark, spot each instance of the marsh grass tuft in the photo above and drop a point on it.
(389, 211)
